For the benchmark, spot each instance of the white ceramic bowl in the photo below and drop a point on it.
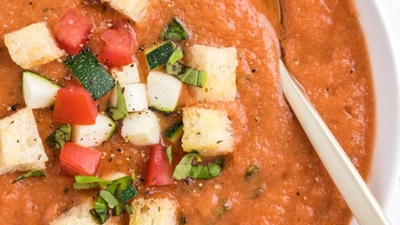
(386, 75)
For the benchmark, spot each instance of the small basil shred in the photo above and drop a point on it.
(120, 111)
(58, 138)
(174, 31)
(184, 73)
(252, 169)
(33, 173)
(113, 198)
(168, 150)
(190, 166)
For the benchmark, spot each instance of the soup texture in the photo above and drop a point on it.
(272, 175)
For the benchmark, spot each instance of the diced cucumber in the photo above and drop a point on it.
(175, 132)
(163, 91)
(117, 105)
(90, 73)
(96, 134)
(135, 97)
(128, 74)
(38, 91)
(141, 128)
(158, 55)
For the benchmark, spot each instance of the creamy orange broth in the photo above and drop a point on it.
(323, 47)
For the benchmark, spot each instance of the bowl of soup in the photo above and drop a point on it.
(227, 148)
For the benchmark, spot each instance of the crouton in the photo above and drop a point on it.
(153, 211)
(133, 9)
(80, 215)
(208, 131)
(128, 74)
(32, 45)
(21, 148)
(220, 67)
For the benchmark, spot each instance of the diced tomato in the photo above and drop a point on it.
(159, 171)
(72, 31)
(74, 105)
(78, 160)
(119, 44)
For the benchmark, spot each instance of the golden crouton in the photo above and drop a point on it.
(21, 148)
(32, 45)
(133, 9)
(208, 131)
(220, 67)
(153, 211)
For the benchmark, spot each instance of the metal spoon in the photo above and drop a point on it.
(347, 179)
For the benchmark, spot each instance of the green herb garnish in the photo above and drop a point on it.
(58, 138)
(33, 173)
(120, 111)
(112, 198)
(190, 166)
(174, 31)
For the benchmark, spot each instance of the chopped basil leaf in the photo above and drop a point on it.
(58, 138)
(187, 168)
(206, 171)
(183, 168)
(109, 198)
(252, 169)
(114, 195)
(174, 31)
(120, 111)
(33, 173)
(186, 74)
(83, 179)
(169, 154)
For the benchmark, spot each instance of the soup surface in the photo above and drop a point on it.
(322, 45)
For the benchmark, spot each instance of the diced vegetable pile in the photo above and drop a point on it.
(132, 105)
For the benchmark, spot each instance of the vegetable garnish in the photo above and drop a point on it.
(158, 55)
(58, 138)
(252, 169)
(120, 111)
(175, 132)
(90, 73)
(168, 150)
(184, 73)
(113, 198)
(33, 173)
(174, 31)
(190, 166)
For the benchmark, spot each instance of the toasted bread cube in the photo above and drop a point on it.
(21, 148)
(208, 131)
(80, 215)
(153, 211)
(220, 67)
(133, 9)
(32, 45)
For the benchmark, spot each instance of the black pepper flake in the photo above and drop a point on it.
(254, 70)
(14, 107)
(184, 220)
(66, 190)
(298, 193)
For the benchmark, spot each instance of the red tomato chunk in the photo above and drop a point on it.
(78, 160)
(119, 42)
(72, 31)
(74, 105)
(159, 171)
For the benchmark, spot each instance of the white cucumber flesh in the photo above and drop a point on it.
(141, 128)
(163, 91)
(94, 135)
(38, 91)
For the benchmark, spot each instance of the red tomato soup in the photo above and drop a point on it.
(271, 175)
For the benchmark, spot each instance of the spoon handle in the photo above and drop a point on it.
(351, 185)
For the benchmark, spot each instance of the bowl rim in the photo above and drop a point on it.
(379, 38)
